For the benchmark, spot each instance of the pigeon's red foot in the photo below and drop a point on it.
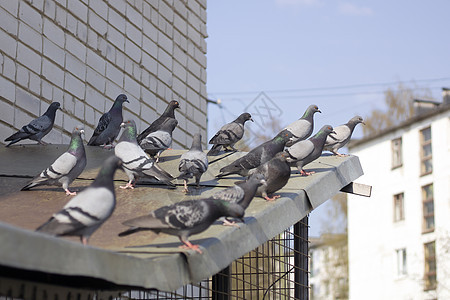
(188, 245)
(69, 193)
(273, 198)
(304, 173)
(127, 186)
(229, 223)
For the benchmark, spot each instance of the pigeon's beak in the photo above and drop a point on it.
(333, 132)
(364, 123)
(252, 120)
(122, 124)
(242, 220)
(319, 111)
(81, 131)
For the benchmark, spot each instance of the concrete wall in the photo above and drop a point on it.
(374, 237)
(84, 53)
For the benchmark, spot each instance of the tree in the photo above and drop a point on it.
(399, 104)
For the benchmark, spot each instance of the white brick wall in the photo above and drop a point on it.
(84, 53)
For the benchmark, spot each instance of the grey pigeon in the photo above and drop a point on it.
(136, 162)
(87, 211)
(193, 163)
(342, 135)
(242, 192)
(36, 129)
(303, 127)
(169, 113)
(304, 152)
(257, 156)
(158, 141)
(66, 168)
(109, 124)
(185, 218)
(276, 172)
(229, 134)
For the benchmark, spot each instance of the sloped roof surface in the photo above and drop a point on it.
(146, 259)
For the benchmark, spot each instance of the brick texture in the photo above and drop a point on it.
(84, 53)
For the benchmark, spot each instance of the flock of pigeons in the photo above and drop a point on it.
(267, 169)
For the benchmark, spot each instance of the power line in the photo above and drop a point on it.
(326, 95)
(352, 86)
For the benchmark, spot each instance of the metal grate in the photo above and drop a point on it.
(278, 269)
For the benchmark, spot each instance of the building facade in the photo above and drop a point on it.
(328, 267)
(399, 239)
(85, 53)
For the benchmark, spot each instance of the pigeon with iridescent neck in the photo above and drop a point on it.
(136, 162)
(303, 127)
(304, 152)
(108, 127)
(66, 168)
(88, 210)
(36, 129)
(342, 135)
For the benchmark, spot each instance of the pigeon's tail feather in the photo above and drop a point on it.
(13, 142)
(134, 230)
(35, 182)
(214, 150)
(157, 172)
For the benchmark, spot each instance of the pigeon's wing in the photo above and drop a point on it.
(193, 162)
(101, 126)
(300, 150)
(89, 208)
(62, 165)
(158, 140)
(36, 126)
(232, 194)
(155, 126)
(341, 134)
(177, 216)
(299, 128)
(229, 134)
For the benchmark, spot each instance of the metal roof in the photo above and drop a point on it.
(146, 260)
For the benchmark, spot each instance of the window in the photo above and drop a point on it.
(428, 208)
(399, 207)
(401, 262)
(397, 158)
(426, 164)
(430, 266)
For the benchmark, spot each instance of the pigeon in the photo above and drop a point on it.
(158, 141)
(257, 156)
(36, 129)
(169, 113)
(304, 152)
(184, 219)
(136, 162)
(109, 124)
(87, 211)
(241, 193)
(276, 172)
(343, 134)
(303, 127)
(66, 168)
(229, 134)
(193, 163)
